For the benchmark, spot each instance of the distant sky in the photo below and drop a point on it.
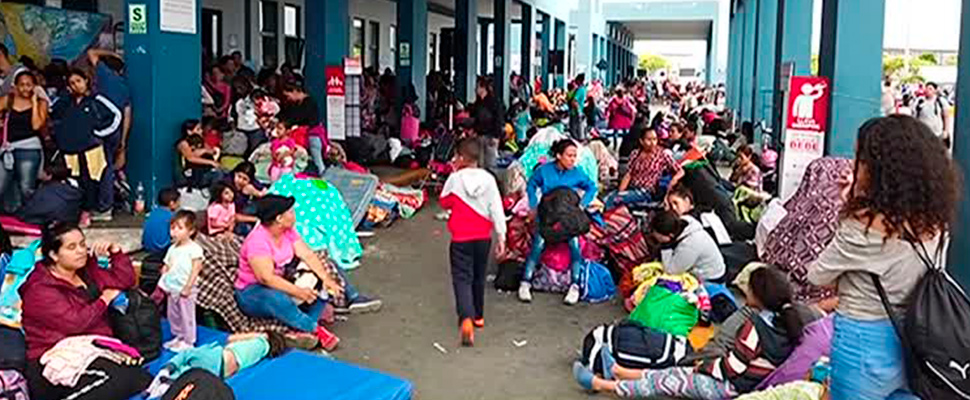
(920, 24)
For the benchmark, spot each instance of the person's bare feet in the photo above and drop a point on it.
(626, 374)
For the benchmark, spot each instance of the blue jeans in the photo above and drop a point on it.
(867, 361)
(635, 198)
(539, 244)
(316, 153)
(263, 302)
(350, 291)
(26, 165)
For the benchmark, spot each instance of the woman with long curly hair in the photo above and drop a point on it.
(900, 200)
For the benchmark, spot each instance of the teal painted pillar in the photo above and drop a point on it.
(709, 64)
(734, 52)
(528, 36)
(412, 37)
(797, 38)
(546, 45)
(851, 57)
(610, 62)
(465, 49)
(164, 75)
(327, 35)
(746, 86)
(501, 65)
(959, 257)
(765, 63)
(595, 58)
(561, 48)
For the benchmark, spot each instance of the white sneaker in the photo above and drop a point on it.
(525, 292)
(572, 296)
(179, 346)
(169, 343)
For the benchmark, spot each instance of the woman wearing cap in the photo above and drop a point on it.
(261, 290)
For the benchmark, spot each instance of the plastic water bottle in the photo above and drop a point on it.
(140, 199)
(120, 303)
(821, 370)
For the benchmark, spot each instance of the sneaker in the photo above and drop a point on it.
(572, 296)
(305, 341)
(467, 333)
(443, 216)
(479, 322)
(525, 292)
(179, 346)
(102, 216)
(363, 304)
(169, 343)
(327, 339)
(85, 220)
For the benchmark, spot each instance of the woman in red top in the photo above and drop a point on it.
(621, 112)
(642, 182)
(68, 294)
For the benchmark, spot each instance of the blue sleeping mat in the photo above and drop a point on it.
(299, 375)
(357, 190)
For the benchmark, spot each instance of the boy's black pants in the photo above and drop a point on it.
(468, 263)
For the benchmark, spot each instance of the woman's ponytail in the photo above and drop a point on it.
(771, 287)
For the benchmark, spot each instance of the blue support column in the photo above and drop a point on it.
(746, 86)
(561, 47)
(610, 60)
(797, 40)
(734, 53)
(502, 66)
(465, 48)
(327, 35)
(546, 45)
(709, 64)
(164, 75)
(594, 72)
(851, 57)
(412, 33)
(528, 36)
(959, 257)
(765, 63)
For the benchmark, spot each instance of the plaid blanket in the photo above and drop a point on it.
(216, 292)
(622, 238)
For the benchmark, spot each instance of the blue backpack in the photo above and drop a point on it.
(597, 283)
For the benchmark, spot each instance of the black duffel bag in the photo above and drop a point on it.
(560, 216)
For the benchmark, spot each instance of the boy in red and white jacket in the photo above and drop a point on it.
(476, 211)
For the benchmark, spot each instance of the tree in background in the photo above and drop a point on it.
(653, 63)
(892, 66)
(928, 59)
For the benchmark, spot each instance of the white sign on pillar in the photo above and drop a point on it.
(177, 16)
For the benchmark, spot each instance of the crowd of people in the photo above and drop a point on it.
(604, 192)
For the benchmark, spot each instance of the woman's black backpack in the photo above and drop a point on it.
(934, 332)
(560, 217)
(140, 325)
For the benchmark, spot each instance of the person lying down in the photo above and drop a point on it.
(242, 350)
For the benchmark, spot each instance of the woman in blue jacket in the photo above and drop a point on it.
(546, 178)
(80, 124)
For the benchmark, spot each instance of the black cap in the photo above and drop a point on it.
(198, 384)
(271, 206)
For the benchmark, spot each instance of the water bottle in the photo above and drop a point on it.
(821, 370)
(140, 199)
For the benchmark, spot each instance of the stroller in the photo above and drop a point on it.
(443, 142)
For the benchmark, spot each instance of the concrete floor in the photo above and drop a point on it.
(407, 266)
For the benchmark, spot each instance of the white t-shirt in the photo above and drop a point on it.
(931, 113)
(179, 260)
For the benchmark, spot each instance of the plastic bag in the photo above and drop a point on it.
(666, 311)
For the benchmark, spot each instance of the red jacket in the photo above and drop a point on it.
(54, 309)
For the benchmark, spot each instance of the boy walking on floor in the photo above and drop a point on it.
(476, 210)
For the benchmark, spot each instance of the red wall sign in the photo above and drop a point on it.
(808, 103)
(335, 81)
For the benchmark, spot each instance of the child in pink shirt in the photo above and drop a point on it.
(221, 213)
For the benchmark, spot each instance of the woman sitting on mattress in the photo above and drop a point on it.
(68, 294)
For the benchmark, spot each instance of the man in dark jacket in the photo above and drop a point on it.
(488, 114)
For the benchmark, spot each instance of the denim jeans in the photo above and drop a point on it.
(26, 165)
(263, 302)
(316, 153)
(635, 198)
(350, 291)
(867, 361)
(539, 244)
